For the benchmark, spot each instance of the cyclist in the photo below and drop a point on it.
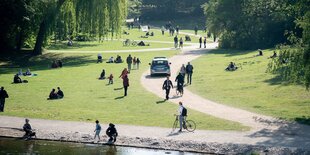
(182, 115)
(180, 82)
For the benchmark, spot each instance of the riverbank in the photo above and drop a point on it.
(213, 142)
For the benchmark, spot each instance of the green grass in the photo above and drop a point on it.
(87, 98)
(250, 88)
(105, 45)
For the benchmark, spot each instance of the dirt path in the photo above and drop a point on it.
(262, 125)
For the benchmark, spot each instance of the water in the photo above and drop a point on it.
(10, 146)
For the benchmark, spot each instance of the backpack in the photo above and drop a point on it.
(184, 112)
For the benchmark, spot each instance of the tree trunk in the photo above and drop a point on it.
(40, 38)
(44, 27)
(19, 40)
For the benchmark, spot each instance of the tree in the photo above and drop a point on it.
(91, 17)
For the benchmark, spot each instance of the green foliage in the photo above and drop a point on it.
(293, 63)
(249, 24)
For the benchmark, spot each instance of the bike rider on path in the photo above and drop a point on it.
(180, 81)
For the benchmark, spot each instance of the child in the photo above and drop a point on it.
(111, 79)
(97, 130)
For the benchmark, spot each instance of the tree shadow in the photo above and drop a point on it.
(229, 52)
(289, 134)
(25, 59)
(76, 45)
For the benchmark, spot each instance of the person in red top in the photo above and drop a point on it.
(125, 84)
(124, 72)
(111, 79)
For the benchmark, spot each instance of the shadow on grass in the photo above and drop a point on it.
(158, 102)
(25, 59)
(76, 45)
(118, 98)
(230, 52)
(118, 88)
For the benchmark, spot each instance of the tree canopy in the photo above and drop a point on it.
(35, 21)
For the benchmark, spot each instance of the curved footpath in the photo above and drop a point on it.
(267, 135)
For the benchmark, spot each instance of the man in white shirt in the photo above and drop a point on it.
(181, 117)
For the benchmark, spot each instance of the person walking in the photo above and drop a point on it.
(167, 85)
(3, 96)
(177, 29)
(205, 42)
(189, 71)
(134, 60)
(200, 42)
(129, 62)
(175, 42)
(183, 70)
(162, 30)
(182, 114)
(181, 43)
(125, 84)
(97, 130)
(138, 63)
(196, 29)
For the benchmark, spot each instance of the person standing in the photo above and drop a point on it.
(129, 62)
(97, 130)
(111, 79)
(189, 71)
(167, 85)
(124, 72)
(183, 70)
(138, 62)
(182, 115)
(205, 42)
(200, 42)
(162, 30)
(181, 43)
(175, 42)
(196, 29)
(125, 84)
(177, 29)
(3, 95)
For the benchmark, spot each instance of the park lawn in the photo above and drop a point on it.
(251, 87)
(105, 45)
(136, 34)
(87, 98)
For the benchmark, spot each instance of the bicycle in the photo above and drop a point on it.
(188, 125)
(129, 42)
(180, 90)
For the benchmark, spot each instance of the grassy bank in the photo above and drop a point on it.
(250, 87)
(87, 98)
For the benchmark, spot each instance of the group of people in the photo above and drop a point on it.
(56, 95)
(117, 60)
(56, 64)
(177, 42)
(204, 42)
(27, 73)
(132, 61)
(111, 132)
(180, 79)
(102, 76)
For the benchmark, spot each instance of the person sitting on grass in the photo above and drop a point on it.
(112, 133)
(53, 95)
(17, 79)
(59, 63)
(102, 75)
(274, 54)
(60, 93)
(54, 64)
(99, 58)
(141, 43)
(111, 60)
(27, 72)
(111, 79)
(118, 59)
(231, 67)
(28, 130)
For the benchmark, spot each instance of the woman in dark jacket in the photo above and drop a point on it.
(125, 84)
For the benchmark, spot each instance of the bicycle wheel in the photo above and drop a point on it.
(190, 125)
(134, 43)
(175, 125)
